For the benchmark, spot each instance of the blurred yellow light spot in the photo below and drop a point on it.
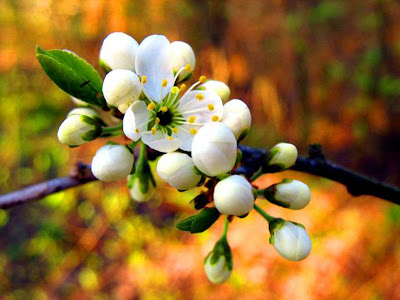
(88, 279)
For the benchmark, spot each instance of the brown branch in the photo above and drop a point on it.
(315, 164)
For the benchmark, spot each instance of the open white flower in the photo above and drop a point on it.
(163, 121)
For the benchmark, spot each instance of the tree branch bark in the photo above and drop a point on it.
(315, 164)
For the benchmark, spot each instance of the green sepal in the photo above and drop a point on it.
(73, 75)
(239, 156)
(185, 78)
(104, 66)
(298, 224)
(275, 224)
(243, 135)
(198, 172)
(92, 134)
(200, 201)
(269, 194)
(200, 222)
(223, 176)
(221, 249)
(112, 143)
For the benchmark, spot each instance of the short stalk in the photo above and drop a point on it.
(263, 213)
(226, 225)
(257, 174)
(112, 130)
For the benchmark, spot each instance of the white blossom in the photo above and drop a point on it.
(163, 121)
(121, 88)
(84, 111)
(219, 87)
(237, 117)
(214, 149)
(178, 170)
(112, 163)
(291, 241)
(283, 155)
(118, 51)
(217, 272)
(234, 196)
(182, 55)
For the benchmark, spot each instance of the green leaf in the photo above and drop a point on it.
(73, 75)
(200, 222)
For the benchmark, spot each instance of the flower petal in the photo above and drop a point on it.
(135, 120)
(201, 107)
(153, 60)
(160, 142)
(186, 135)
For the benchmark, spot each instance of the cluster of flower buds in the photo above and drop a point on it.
(197, 129)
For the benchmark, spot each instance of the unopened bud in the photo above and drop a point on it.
(120, 88)
(282, 156)
(237, 117)
(234, 196)
(112, 163)
(290, 240)
(118, 51)
(218, 87)
(178, 170)
(77, 130)
(218, 263)
(214, 149)
(182, 57)
(292, 194)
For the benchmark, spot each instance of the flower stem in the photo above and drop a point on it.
(257, 174)
(263, 213)
(112, 130)
(226, 224)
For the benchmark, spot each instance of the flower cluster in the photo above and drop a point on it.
(197, 130)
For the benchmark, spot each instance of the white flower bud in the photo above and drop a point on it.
(217, 272)
(178, 170)
(77, 130)
(121, 87)
(219, 87)
(181, 55)
(118, 51)
(137, 191)
(234, 196)
(291, 241)
(84, 111)
(237, 117)
(112, 163)
(282, 155)
(289, 193)
(214, 149)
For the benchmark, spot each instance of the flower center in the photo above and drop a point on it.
(165, 117)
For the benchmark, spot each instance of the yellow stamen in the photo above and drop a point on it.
(151, 106)
(164, 109)
(164, 83)
(144, 79)
(157, 121)
(153, 131)
(200, 96)
(202, 79)
(188, 67)
(175, 130)
(137, 130)
(183, 87)
(193, 131)
(169, 137)
(210, 106)
(175, 90)
(192, 119)
(215, 118)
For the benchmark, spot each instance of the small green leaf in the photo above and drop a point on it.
(204, 219)
(73, 75)
(186, 224)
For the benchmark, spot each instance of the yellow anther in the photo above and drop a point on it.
(169, 138)
(215, 118)
(202, 79)
(210, 106)
(183, 87)
(157, 121)
(153, 131)
(175, 130)
(144, 79)
(137, 130)
(175, 90)
(164, 83)
(193, 131)
(164, 109)
(192, 119)
(151, 106)
(188, 67)
(200, 96)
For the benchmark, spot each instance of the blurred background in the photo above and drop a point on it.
(312, 72)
